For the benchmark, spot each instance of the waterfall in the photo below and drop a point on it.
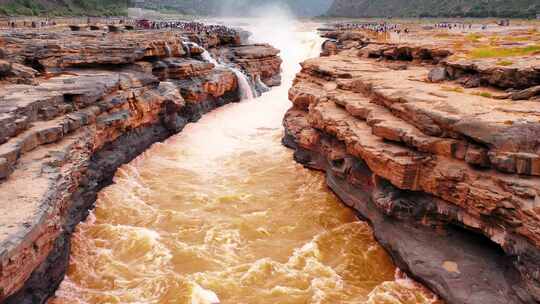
(168, 51)
(246, 91)
(261, 86)
(208, 58)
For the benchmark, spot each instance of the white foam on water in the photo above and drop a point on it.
(246, 92)
(208, 58)
(200, 295)
(262, 84)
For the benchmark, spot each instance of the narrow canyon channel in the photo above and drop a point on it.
(221, 213)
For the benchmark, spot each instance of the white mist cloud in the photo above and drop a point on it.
(297, 40)
(244, 8)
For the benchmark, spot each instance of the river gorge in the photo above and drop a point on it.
(267, 160)
(222, 211)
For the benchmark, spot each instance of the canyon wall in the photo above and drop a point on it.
(447, 177)
(74, 106)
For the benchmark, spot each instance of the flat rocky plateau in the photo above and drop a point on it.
(437, 149)
(74, 106)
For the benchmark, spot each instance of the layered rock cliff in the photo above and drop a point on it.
(447, 177)
(74, 106)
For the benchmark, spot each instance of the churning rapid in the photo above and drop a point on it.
(221, 213)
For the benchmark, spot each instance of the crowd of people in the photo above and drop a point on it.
(468, 26)
(450, 26)
(401, 30)
(375, 27)
(187, 26)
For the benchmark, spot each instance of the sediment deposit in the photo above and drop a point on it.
(74, 106)
(438, 152)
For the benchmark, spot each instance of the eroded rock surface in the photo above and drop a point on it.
(521, 73)
(73, 108)
(449, 178)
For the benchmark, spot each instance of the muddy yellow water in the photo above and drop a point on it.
(221, 213)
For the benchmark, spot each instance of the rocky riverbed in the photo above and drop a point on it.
(437, 150)
(74, 106)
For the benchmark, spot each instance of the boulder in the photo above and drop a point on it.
(437, 74)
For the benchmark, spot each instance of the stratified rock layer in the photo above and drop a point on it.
(88, 103)
(448, 179)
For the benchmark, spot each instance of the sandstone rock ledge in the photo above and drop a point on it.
(448, 179)
(73, 108)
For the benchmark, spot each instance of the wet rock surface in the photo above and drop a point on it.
(74, 106)
(448, 177)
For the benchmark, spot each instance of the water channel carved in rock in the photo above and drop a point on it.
(149, 166)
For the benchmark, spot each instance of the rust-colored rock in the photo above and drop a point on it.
(404, 150)
(259, 61)
(74, 106)
(522, 74)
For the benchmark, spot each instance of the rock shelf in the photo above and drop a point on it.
(446, 174)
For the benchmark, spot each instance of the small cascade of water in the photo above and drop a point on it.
(208, 58)
(168, 51)
(185, 46)
(246, 91)
(261, 86)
